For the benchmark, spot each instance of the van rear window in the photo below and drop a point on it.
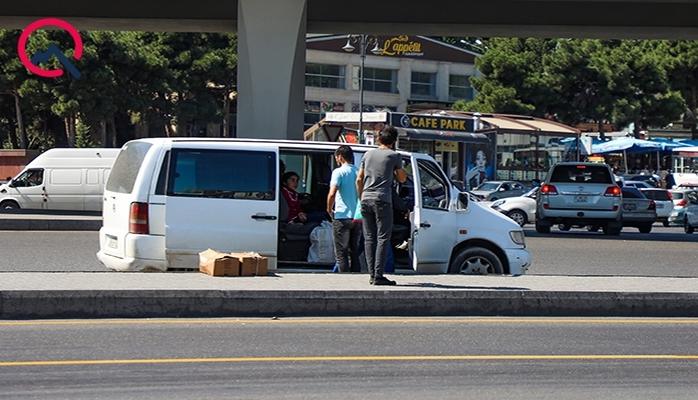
(125, 171)
(225, 174)
(581, 174)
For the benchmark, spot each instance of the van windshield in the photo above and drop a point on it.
(128, 163)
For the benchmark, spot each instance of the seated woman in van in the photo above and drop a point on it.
(289, 184)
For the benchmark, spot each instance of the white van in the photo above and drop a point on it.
(168, 199)
(60, 179)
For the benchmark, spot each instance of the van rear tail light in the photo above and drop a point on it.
(653, 205)
(612, 191)
(671, 196)
(682, 203)
(138, 219)
(548, 189)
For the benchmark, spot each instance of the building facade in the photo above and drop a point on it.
(411, 73)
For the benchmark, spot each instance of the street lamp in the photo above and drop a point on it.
(363, 41)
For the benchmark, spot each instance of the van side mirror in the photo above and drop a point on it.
(463, 200)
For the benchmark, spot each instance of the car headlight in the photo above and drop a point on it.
(498, 203)
(518, 237)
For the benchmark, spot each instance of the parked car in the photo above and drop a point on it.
(690, 220)
(521, 209)
(168, 199)
(638, 211)
(60, 179)
(652, 180)
(495, 190)
(579, 194)
(637, 184)
(680, 202)
(664, 202)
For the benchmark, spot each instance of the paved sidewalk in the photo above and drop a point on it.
(139, 295)
(337, 282)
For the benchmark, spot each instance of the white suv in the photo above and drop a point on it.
(580, 194)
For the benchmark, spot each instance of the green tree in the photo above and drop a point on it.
(641, 87)
(513, 79)
(682, 67)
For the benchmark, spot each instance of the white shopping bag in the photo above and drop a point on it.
(322, 244)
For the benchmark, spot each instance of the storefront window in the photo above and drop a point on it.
(423, 85)
(379, 80)
(324, 76)
(459, 88)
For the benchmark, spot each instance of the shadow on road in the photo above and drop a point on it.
(441, 286)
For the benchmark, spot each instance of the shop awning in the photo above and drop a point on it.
(428, 134)
(628, 145)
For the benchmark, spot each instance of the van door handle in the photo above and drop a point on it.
(425, 225)
(267, 217)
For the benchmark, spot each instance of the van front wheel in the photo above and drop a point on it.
(9, 205)
(476, 261)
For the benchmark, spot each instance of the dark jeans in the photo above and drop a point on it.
(346, 234)
(378, 227)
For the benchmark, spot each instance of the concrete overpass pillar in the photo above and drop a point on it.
(271, 68)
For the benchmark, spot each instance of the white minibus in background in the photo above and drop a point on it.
(60, 179)
(168, 199)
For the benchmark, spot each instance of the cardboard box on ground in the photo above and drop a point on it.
(215, 263)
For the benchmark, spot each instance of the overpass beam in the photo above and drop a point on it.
(271, 68)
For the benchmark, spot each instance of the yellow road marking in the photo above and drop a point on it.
(574, 357)
(366, 321)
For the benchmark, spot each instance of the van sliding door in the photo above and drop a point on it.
(224, 198)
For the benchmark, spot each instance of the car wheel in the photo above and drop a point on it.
(476, 261)
(564, 227)
(9, 205)
(518, 216)
(542, 228)
(593, 228)
(687, 227)
(645, 228)
(612, 229)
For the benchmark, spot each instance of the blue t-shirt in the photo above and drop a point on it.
(344, 178)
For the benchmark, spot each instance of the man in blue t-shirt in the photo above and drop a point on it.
(342, 202)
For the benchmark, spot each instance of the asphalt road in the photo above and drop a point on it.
(664, 252)
(451, 358)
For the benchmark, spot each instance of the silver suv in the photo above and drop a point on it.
(579, 194)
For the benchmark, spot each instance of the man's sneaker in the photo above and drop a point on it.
(383, 281)
(371, 280)
(403, 246)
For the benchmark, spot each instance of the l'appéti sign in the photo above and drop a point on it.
(402, 46)
(430, 122)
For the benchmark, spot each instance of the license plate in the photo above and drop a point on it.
(581, 199)
(629, 207)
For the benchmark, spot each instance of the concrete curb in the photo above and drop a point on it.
(259, 303)
(7, 224)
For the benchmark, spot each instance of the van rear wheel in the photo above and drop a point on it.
(9, 205)
(540, 228)
(476, 261)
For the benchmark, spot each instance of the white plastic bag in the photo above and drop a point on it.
(322, 244)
